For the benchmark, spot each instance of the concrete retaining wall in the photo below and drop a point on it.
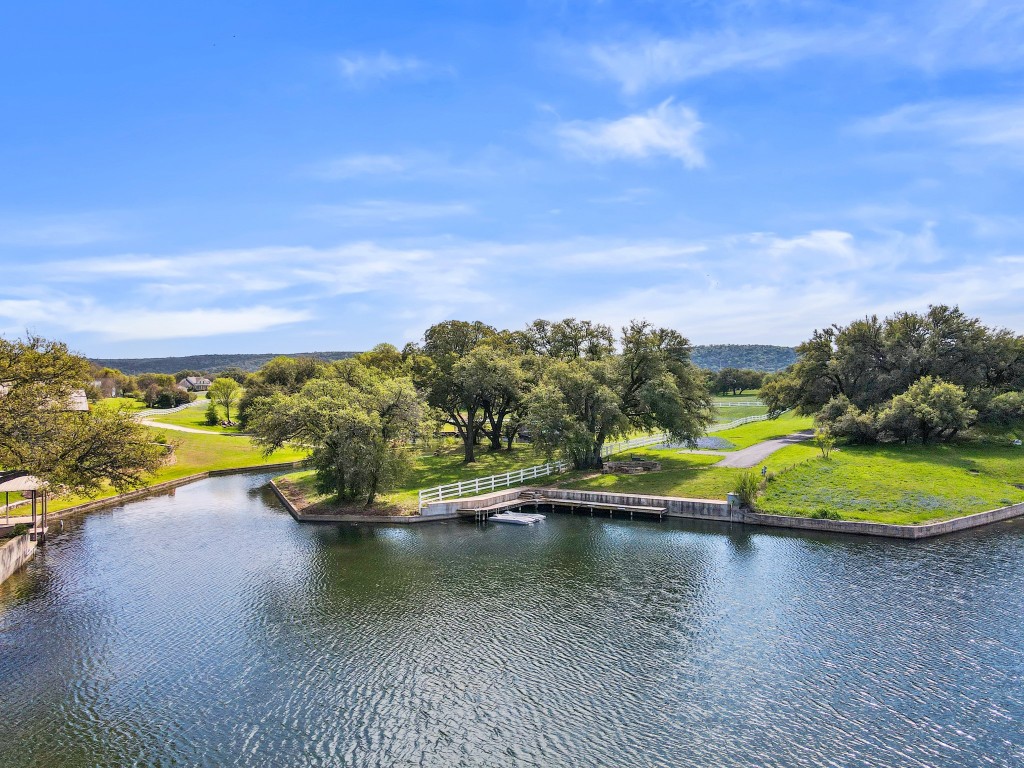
(923, 531)
(169, 485)
(402, 519)
(14, 554)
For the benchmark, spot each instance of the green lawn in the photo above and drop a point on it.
(194, 417)
(759, 431)
(744, 396)
(430, 471)
(200, 453)
(899, 484)
(112, 403)
(725, 415)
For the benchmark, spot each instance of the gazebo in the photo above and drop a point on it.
(19, 481)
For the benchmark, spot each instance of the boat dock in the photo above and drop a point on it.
(535, 499)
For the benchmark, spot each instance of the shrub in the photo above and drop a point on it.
(20, 529)
(826, 514)
(747, 486)
(212, 415)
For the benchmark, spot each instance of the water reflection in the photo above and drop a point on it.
(207, 628)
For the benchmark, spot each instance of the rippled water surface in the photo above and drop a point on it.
(207, 628)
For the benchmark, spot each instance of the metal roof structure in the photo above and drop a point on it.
(19, 481)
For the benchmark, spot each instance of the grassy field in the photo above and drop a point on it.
(743, 397)
(887, 483)
(431, 471)
(899, 484)
(113, 403)
(725, 415)
(194, 418)
(200, 453)
(759, 431)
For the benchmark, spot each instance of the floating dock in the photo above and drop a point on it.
(535, 500)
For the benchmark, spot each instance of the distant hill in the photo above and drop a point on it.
(205, 363)
(757, 357)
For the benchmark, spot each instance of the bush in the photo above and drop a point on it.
(826, 514)
(20, 529)
(747, 486)
(212, 415)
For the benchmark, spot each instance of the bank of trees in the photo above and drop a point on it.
(733, 381)
(568, 386)
(910, 377)
(43, 434)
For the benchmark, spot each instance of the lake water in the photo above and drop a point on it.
(209, 629)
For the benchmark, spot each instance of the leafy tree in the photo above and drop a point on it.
(357, 431)
(1005, 412)
(825, 440)
(226, 393)
(581, 403)
(930, 408)
(212, 414)
(456, 376)
(70, 450)
(282, 374)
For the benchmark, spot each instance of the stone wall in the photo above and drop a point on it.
(924, 531)
(14, 554)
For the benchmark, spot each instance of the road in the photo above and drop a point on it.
(755, 454)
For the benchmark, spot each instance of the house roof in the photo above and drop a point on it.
(196, 380)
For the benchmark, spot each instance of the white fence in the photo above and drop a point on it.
(163, 411)
(520, 476)
(491, 483)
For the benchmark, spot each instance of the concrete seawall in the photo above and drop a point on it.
(14, 554)
(711, 509)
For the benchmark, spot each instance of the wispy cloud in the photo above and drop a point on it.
(59, 231)
(360, 69)
(352, 166)
(132, 323)
(651, 62)
(668, 129)
(968, 123)
(388, 211)
(934, 36)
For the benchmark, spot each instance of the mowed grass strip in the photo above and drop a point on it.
(897, 484)
(429, 471)
(200, 453)
(759, 431)
(194, 417)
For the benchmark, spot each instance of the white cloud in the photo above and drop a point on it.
(652, 62)
(388, 211)
(59, 231)
(928, 35)
(362, 165)
(360, 69)
(667, 129)
(131, 323)
(960, 123)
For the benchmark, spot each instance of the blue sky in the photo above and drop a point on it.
(215, 177)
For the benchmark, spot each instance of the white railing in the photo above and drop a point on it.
(519, 476)
(163, 411)
(739, 403)
(610, 449)
(740, 422)
(491, 483)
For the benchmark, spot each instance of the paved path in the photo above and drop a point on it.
(755, 454)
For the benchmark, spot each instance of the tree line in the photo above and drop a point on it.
(567, 386)
(909, 377)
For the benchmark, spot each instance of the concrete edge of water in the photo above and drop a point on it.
(15, 553)
(692, 509)
(401, 519)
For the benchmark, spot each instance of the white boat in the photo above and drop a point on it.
(517, 518)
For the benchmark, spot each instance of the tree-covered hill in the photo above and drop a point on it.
(756, 357)
(206, 363)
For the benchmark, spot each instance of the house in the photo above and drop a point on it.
(194, 384)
